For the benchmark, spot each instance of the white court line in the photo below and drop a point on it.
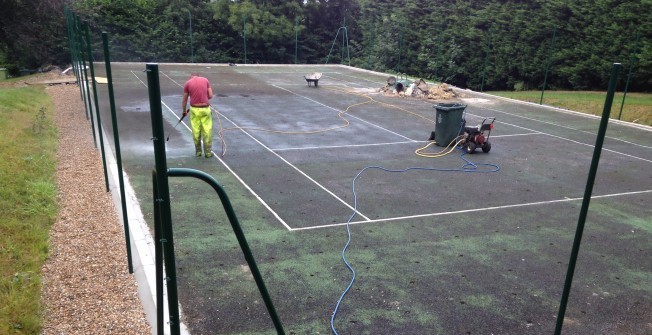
(573, 141)
(237, 177)
(532, 132)
(282, 159)
(570, 128)
(378, 144)
(561, 110)
(348, 75)
(350, 115)
(343, 146)
(472, 210)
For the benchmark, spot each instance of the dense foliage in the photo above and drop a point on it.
(494, 44)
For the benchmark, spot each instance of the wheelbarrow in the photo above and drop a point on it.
(313, 78)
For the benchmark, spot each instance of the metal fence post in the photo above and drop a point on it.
(587, 196)
(167, 239)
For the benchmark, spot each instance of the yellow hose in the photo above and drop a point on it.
(447, 150)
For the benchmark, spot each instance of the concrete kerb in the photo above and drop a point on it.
(142, 246)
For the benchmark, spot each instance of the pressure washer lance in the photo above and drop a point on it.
(181, 119)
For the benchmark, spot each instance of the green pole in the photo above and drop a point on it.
(486, 59)
(296, 38)
(82, 72)
(439, 48)
(71, 46)
(343, 39)
(88, 91)
(587, 196)
(167, 239)
(239, 233)
(371, 44)
(348, 55)
(158, 257)
(244, 35)
(400, 47)
(116, 140)
(545, 77)
(632, 62)
(192, 50)
(97, 105)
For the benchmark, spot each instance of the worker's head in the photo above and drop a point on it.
(194, 74)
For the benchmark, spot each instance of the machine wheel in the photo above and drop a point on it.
(486, 147)
(470, 148)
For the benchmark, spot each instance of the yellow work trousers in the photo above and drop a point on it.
(201, 122)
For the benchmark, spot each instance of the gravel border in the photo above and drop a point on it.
(87, 288)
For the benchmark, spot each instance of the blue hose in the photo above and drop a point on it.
(467, 167)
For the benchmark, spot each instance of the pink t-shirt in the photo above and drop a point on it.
(197, 88)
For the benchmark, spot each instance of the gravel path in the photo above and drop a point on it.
(87, 288)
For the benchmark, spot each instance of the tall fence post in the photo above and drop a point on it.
(118, 155)
(587, 196)
(486, 58)
(244, 37)
(82, 70)
(97, 105)
(167, 239)
(296, 37)
(192, 50)
(88, 90)
(632, 63)
(545, 76)
(440, 46)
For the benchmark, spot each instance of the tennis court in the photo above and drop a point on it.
(458, 244)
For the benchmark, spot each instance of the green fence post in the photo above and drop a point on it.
(632, 63)
(440, 46)
(400, 47)
(545, 77)
(97, 105)
(158, 256)
(296, 37)
(370, 44)
(486, 59)
(167, 239)
(71, 46)
(82, 73)
(192, 50)
(587, 196)
(88, 90)
(244, 36)
(239, 233)
(116, 141)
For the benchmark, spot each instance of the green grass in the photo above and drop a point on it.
(637, 107)
(27, 203)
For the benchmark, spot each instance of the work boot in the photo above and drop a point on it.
(198, 154)
(209, 155)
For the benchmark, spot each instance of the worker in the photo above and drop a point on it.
(199, 90)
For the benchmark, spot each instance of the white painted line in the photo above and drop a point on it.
(339, 111)
(283, 160)
(561, 110)
(278, 217)
(570, 128)
(573, 141)
(296, 169)
(565, 199)
(343, 146)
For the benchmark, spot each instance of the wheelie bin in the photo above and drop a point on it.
(448, 122)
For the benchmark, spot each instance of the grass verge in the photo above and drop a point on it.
(637, 107)
(28, 141)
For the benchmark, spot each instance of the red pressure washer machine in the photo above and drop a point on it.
(474, 137)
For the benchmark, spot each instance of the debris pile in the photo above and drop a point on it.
(419, 89)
